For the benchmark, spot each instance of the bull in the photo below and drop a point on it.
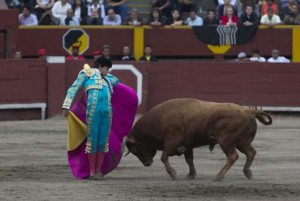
(178, 126)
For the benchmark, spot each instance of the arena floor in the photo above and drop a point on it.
(33, 166)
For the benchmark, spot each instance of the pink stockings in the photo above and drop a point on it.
(96, 160)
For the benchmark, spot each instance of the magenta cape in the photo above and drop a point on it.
(124, 106)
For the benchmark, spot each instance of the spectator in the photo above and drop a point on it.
(42, 6)
(256, 57)
(148, 56)
(269, 4)
(194, 19)
(134, 19)
(42, 53)
(270, 19)
(80, 11)
(47, 18)
(99, 6)
(176, 19)
(27, 18)
(156, 19)
(18, 55)
(97, 54)
(112, 18)
(95, 18)
(241, 57)
(211, 18)
(70, 20)
(287, 9)
(223, 8)
(118, 6)
(15, 4)
(276, 58)
(75, 54)
(249, 18)
(127, 56)
(242, 4)
(106, 51)
(229, 19)
(293, 18)
(59, 9)
(163, 6)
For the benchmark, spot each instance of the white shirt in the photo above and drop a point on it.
(232, 2)
(278, 60)
(31, 20)
(266, 20)
(258, 59)
(116, 21)
(59, 10)
(73, 22)
(196, 22)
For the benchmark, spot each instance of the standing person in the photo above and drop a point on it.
(127, 56)
(148, 56)
(75, 54)
(98, 83)
(276, 58)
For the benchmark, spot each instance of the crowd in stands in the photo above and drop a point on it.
(163, 12)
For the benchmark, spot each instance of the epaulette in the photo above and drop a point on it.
(88, 70)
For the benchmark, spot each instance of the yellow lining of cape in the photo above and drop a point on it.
(77, 131)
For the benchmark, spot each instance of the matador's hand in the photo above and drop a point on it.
(65, 112)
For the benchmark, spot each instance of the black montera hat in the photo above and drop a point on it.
(102, 61)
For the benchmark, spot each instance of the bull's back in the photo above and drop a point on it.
(183, 116)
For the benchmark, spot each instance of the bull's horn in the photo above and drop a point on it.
(127, 153)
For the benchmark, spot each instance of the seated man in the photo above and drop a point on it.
(276, 58)
(134, 19)
(70, 20)
(95, 18)
(270, 19)
(148, 56)
(127, 56)
(48, 18)
(112, 18)
(293, 18)
(194, 19)
(211, 18)
(249, 18)
(256, 57)
(27, 18)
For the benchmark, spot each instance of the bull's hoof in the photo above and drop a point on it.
(219, 178)
(172, 174)
(248, 173)
(190, 176)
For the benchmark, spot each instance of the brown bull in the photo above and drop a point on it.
(179, 125)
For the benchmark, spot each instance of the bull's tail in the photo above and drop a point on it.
(263, 117)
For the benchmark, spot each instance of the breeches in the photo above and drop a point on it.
(98, 121)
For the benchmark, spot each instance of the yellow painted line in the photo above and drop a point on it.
(138, 42)
(219, 49)
(296, 44)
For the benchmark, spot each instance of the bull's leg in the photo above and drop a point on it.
(169, 169)
(250, 153)
(188, 154)
(232, 156)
